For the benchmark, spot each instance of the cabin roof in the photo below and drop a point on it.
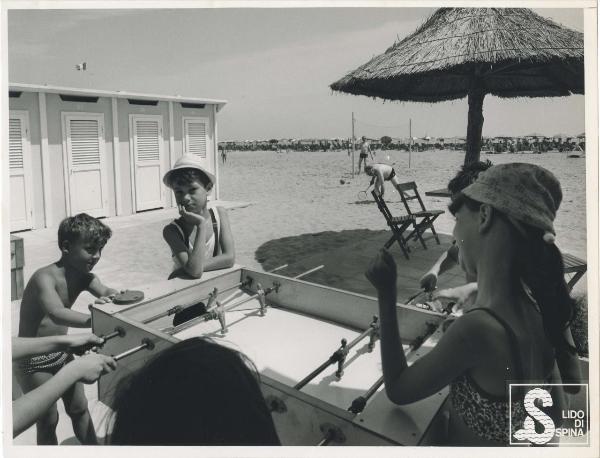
(119, 94)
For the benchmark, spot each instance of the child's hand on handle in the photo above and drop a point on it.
(428, 282)
(382, 271)
(81, 343)
(464, 296)
(89, 368)
(191, 218)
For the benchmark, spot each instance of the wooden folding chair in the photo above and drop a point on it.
(398, 225)
(423, 218)
(575, 266)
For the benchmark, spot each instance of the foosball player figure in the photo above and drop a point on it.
(340, 357)
(221, 316)
(374, 332)
(261, 299)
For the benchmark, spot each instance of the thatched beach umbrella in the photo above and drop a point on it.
(458, 52)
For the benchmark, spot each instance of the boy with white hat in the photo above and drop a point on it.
(200, 239)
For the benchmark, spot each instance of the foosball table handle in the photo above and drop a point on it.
(275, 404)
(358, 405)
(331, 433)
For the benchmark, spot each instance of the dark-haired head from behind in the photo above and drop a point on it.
(194, 393)
(466, 175)
(83, 228)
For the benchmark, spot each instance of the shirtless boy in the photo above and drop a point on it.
(46, 311)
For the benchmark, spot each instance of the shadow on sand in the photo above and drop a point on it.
(345, 256)
(291, 250)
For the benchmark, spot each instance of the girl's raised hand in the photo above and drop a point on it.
(382, 271)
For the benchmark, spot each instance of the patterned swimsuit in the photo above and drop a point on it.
(487, 415)
(50, 362)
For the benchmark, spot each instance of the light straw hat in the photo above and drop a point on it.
(188, 161)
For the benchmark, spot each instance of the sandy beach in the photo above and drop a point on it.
(300, 192)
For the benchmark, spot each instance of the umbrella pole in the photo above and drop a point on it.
(475, 121)
(409, 141)
(353, 145)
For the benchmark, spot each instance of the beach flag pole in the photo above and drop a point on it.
(409, 141)
(353, 144)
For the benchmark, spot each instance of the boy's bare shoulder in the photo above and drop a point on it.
(46, 275)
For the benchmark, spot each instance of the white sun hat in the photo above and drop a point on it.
(188, 161)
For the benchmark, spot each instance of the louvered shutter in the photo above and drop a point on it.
(19, 164)
(195, 135)
(85, 145)
(148, 147)
(15, 146)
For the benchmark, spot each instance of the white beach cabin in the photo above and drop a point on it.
(100, 152)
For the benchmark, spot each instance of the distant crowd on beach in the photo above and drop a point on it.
(533, 143)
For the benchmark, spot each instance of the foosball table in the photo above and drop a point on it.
(316, 349)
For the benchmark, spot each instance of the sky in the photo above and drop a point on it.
(273, 66)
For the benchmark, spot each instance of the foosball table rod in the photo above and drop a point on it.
(261, 293)
(211, 297)
(283, 266)
(304, 274)
(118, 332)
(219, 311)
(146, 344)
(359, 403)
(339, 356)
(82, 349)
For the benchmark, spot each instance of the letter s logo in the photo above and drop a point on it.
(528, 432)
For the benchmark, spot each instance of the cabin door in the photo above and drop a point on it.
(21, 189)
(148, 159)
(85, 164)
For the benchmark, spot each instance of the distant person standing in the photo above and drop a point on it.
(365, 151)
(223, 154)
